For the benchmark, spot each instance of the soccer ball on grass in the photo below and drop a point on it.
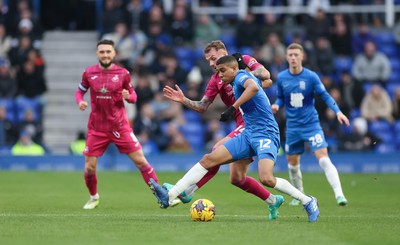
(202, 210)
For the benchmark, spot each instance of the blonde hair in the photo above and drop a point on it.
(295, 46)
(216, 44)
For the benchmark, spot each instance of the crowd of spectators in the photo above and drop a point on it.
(22, 80)
(161, 43)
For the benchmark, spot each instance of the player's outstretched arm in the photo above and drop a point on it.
(172, 94)
(178, 96)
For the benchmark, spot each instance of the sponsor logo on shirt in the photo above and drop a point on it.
(103, 90)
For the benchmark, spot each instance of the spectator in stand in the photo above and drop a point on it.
(170, 71)
(31, 84)
(371, 66)
(270, 25)
(154, 16)
(8, 130)
(271, 48)
(26, 147)
(5, 41)
(144, 88)
(213, 134)
(361, 36)
(323, 56)
(247, 28)
(113, 14)
(396, 104)
(341, 35)
(352, 90)
(206, 30)
(178, 143)
(123, 44)
(32, 125)
(376, 105)
(19, 54)
(148, 124)
(78, 145)
(8, 84)
(317, 26)
(360, 139)
(180, 24)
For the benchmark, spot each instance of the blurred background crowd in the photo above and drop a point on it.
(356, 54)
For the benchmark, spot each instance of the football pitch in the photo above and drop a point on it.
(46, 208)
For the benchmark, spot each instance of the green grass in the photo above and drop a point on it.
(46, 208)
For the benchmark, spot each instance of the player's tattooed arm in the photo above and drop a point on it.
(199, 106)
(263, 74)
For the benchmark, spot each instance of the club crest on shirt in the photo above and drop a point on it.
(302, 85)
(115, 78)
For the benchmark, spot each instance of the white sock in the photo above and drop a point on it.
(296, 177)
(271, 199)
(191, 177)
(284, 186)
(190, 191)
(332, 175)
(95, 197)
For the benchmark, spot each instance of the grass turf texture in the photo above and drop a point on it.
(46, 208)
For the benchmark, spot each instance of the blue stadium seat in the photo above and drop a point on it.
(343, 63)
(247, 51)
(367, 87)
(355, 112)
(10, 108)
(394, 77)
(391, 88)
(194, 134)
(185, 57)
(390, 50)
(385, 148)
(379, 126)
(229, 40)
(192, 116)
(395, 63)
(384, 38)
(23, 104)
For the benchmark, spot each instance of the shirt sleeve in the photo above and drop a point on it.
(321, 91)
(82, 88)
(128, 86)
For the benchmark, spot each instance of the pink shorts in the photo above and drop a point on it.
(239, 128)
(97, 142)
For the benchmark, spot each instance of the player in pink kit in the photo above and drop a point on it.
(109, 85)
(212, 52)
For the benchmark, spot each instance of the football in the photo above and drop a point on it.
(202, 210)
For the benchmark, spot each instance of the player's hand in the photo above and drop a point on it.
(125, 94)
(227, 114)
(172, 94)
(83, 105)
(239, 59)
(275, 108)
(266, 83)
(343, 119)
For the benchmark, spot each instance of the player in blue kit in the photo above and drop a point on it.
(297, 87)
(260, 138)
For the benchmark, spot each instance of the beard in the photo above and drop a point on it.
(105, 65)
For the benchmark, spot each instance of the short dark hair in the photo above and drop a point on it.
(227, 59)
(106, 42)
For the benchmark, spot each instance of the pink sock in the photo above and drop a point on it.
(148, 173)
(252, 186)
(91, 183)
(211, 173)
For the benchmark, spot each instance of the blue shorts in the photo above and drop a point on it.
(295, 140)
(262, 145)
